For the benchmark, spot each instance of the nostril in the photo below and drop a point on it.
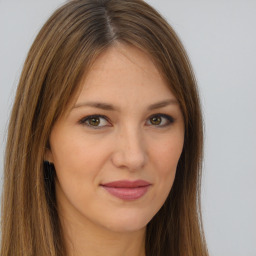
(130, 150)
(131, 161)
(130, 158)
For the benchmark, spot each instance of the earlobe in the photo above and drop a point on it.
(48, 156)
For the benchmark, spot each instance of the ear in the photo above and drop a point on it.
(48, 155)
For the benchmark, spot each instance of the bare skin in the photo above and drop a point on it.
(125, 125)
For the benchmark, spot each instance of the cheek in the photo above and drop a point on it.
(75, 149)
(166, 159)
(168, 154)
(77, 162)
(78, 159)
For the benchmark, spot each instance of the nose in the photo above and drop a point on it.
(130, 151)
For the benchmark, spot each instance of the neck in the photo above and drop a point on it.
(86, 239)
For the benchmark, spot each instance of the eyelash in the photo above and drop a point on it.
(169, 119)
(85, 121)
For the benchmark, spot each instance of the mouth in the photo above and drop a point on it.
(127, 190)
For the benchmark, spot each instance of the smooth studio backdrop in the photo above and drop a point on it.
(220, 37)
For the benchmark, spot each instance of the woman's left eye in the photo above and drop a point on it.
(160, 120)
(95, 121)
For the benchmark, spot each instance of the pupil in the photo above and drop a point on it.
(156, 120)
(94, 121)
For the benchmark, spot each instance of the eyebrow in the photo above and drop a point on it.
(106, 106)
(163, 103)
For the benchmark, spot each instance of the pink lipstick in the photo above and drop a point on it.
(127, 190)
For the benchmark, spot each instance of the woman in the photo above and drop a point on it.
(105, 139)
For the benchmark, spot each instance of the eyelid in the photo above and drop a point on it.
(86, 118)
(170, 119)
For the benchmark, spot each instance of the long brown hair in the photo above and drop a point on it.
(62, 52)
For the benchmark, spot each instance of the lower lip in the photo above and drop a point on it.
(127, 193)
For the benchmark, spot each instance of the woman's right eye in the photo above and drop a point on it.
(95, 121)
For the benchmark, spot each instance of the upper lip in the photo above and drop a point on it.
(127, 184)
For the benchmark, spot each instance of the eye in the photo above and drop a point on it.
(95, 121)
(160, 120)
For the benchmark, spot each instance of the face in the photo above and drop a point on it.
(116, 150)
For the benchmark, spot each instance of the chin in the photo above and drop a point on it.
(127, 222)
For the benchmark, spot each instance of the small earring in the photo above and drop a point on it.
(49, 182)
(47, 162)
(49, 171)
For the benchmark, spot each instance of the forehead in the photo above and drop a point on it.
(130, 57)
(123, 73)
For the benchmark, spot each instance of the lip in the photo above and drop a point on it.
(126, 189)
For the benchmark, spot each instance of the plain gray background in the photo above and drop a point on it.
(220, 39)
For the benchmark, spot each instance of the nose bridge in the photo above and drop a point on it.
(130, 151)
